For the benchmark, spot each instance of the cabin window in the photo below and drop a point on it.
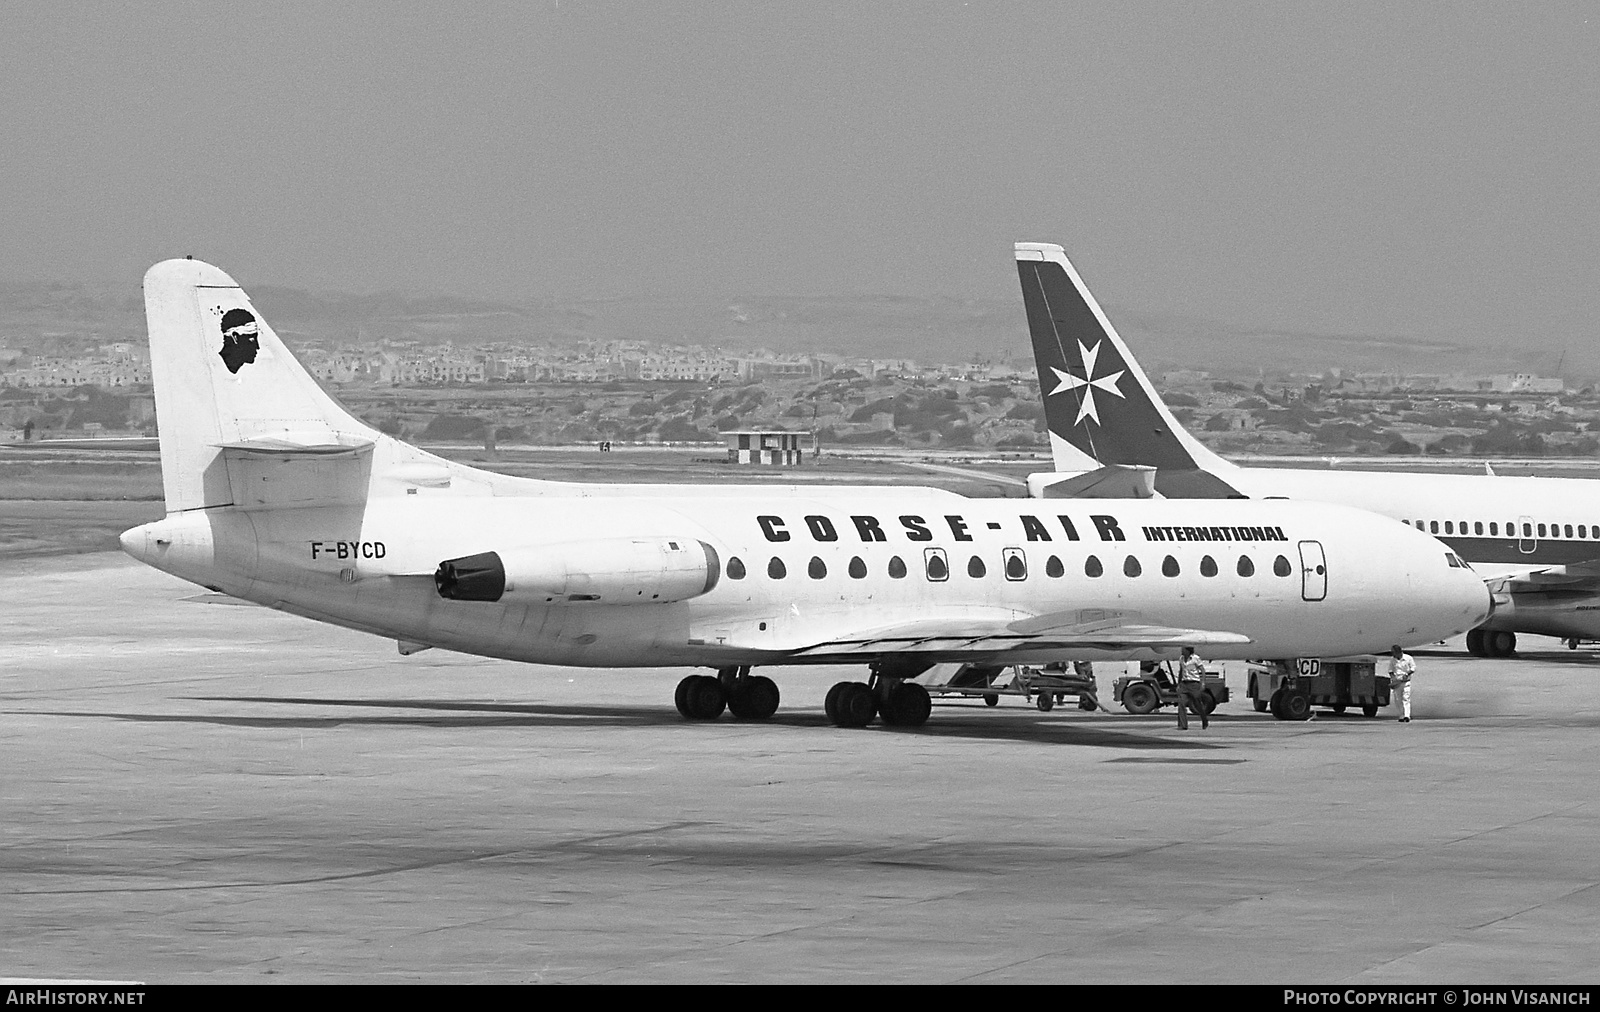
(1449, 528)
(1092, 567)
(1208, 566)
(735, 569)
(817, 569)
(1053, 568)
(976, 569)
(1568, 529)
(1541, 530)
(1131, 567)
(1433, 527)
(897, 568)
(858, 569)
(776, 569)
(1527, 530)
(934, 564)
(1169, 566)
(1477, 527)
(1246, 567)
(1016, 564)
(1281, 566)
(1581, 534)
(1494, 527)
(1463, 527)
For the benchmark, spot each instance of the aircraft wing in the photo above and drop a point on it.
(1114, 481)
(986, 637)
(1546, 578)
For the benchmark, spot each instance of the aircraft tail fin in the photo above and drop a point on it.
(1099, 406)
(226, 388)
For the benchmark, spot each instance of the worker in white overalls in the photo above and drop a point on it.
(1191, 687)
(1401, 668)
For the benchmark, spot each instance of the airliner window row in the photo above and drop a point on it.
(1477, 528)
(1014, 565)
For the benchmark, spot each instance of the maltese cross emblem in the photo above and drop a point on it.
(1089, 382)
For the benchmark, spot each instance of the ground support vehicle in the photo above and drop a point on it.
(1156, 685)
(1291, 688)
(1044, 686)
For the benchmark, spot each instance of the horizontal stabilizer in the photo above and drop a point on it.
(1114, 481)
(310, 444)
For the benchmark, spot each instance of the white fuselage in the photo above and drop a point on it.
(371, 566)
(1506, 526)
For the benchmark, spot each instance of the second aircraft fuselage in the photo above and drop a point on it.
(1487, 519)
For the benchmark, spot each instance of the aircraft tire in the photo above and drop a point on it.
(1296, 706)
(854, 706)
(1369, 709)
(1208, 701)
(753, 698)
(1275, 704)
(1475, 645)
(762, 697)
(1505, 643)
(908, 705)
(991, 699)
(1045, 702)
(830, 703)
(737, 697)
(1261, 705)
(705, 698)
(680, 697)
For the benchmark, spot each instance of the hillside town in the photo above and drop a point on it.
(647, 392)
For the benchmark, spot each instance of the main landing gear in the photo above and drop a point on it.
(1491, 643)
(746, 696)
(887, 693)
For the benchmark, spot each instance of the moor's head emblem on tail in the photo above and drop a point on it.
(239, 339)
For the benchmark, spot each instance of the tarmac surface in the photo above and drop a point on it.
(195, 792)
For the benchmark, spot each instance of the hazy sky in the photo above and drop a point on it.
(1355, 167)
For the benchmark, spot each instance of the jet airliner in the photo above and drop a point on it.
(275, 494)
(1536, 539)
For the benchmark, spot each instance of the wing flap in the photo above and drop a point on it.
(1089, 629)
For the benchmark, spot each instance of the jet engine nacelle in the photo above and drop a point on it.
(653, 570)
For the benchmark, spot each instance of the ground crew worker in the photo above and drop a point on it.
(1085, 669)
(1191, 688)
(1401, 668)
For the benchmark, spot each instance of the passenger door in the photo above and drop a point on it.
(1313, 571)
(1527, 540)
